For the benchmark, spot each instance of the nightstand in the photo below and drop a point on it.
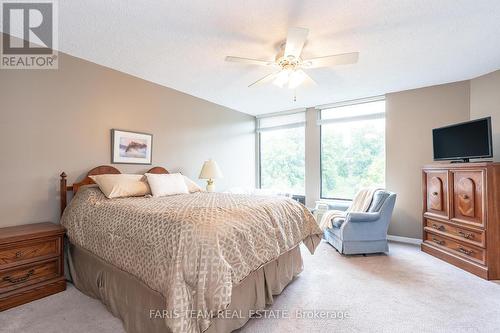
(31, 263)
(320, 209)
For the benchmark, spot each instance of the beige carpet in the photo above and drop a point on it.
(405, 291)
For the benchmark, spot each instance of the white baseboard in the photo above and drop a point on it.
(408, 240)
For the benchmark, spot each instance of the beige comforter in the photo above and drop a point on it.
(191, 248)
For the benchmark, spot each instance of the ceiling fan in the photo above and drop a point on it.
(289, 64)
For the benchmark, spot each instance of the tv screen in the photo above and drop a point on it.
(467, 140)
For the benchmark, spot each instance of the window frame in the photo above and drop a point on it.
(321, 123)
(308, 130)
(259, 146)
(259, 131)
(321, 197)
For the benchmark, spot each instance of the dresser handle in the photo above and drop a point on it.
(438, 241)
(18, 254)
(19, 279)
(440, 227)
(434, 193)
(465, 196)
(465, 251)
(466, 235)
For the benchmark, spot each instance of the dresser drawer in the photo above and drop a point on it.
(467, 235)
(21, 252)
(26, 275)
(464, 250)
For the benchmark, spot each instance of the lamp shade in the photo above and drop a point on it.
(210, 170)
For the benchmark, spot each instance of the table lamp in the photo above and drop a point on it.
(210, 171)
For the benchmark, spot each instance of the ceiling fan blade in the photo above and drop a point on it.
(250, 61)
(308, 81)
(267, 78)
(332, 60)
(295, 41)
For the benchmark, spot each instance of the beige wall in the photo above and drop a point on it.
(485, 101)
(410, 117)
(57, 120)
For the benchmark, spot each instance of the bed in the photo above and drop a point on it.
(200, 262)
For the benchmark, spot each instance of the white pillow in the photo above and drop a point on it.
(192, 186)
(166, 184)
(121, 185)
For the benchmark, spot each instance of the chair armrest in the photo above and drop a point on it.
(363, 217)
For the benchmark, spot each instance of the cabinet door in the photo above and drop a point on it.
(468, 196)
(436, 193)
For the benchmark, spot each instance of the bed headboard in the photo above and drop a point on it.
(157, 170)
(100, 170)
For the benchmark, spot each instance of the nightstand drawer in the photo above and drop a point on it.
(13, 254)
(26, 275)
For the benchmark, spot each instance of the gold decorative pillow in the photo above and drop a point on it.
(122, 185)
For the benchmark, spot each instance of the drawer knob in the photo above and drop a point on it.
(465, 251)
(438, 241)
(18, 254)
(19, 279)
(466, 235)
(438, 227)
(434, 193)
(465, 196)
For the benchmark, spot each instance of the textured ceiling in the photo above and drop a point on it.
(403, 44)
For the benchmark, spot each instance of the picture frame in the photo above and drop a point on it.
(128, 147)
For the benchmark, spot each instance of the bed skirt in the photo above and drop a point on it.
(141, 309)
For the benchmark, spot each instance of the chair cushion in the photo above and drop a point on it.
(378, 200)
(337, 222)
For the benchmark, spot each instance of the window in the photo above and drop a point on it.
(282, 153)
(352, 148)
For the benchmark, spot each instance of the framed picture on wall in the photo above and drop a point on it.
(131, 147)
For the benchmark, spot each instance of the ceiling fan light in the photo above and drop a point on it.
(282, 78)
(295, 79)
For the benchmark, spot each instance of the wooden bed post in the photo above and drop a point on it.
(63, 191)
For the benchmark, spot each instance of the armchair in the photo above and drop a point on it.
(366, 232)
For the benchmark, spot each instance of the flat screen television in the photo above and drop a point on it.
(471, 139)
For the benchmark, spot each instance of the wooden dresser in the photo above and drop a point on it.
(31, 263)
(461, 215)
